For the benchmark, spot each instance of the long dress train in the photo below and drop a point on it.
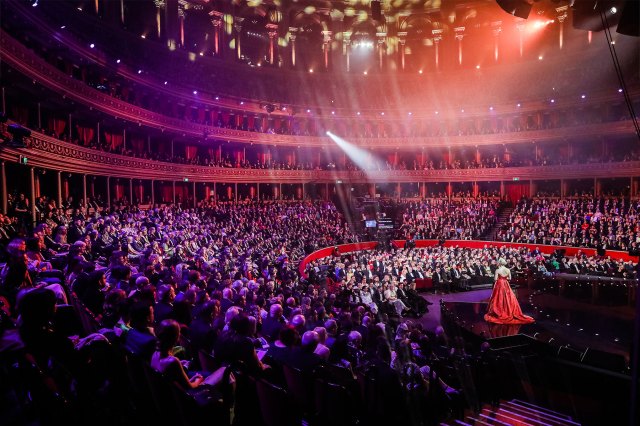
(503, 306)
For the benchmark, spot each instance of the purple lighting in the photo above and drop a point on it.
(195, 92)
(92, 45)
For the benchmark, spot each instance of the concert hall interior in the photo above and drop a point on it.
(310, 212)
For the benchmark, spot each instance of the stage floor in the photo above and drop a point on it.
(579, 324)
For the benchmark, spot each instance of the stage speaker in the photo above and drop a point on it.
(376, 10)
(519, 8)
(569, 354)
(604, 360)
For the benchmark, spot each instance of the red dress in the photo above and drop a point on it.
(503, 306)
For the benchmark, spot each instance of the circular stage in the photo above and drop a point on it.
(573, 328)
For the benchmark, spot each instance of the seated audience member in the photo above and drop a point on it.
(140, 339)
(163, 360)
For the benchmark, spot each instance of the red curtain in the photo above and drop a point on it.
(212, 153)
(251, 122)
(114, 140)
(201, 115)
(190, 152)
(85, 135)
(516, 190)
(57, 125)
(166, 192)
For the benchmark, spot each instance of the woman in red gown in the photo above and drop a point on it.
(503, 306)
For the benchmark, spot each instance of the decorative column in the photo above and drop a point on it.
(195, 200)
(292, 42)
(4, 188)
(403, 41)
(237, 26)
(326, 47)
(153, 194)
(59, 187)
(562, 16)
(33, 193)
(437, 37)
(272, 31)
(160, 4)
(216, 21)
(520, 25)
(496, 29)
(84, 189)
(174, 191)
(459, 31)
(130, 191)
(181, 7)
(235, 192)
(39, 117)
(108, 190)
(346, 48)
(382, 37)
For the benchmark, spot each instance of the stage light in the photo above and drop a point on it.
(217, 98)
(518, 105)
(461, 110)
(63, 27)
(309, 111)
(333, 113)
(202, 54)
(311, 70)
(436, 112)
(410, 113)
(92, 45)
(613, 10)
(619, 90)
(143, 36)
(35, 3)
(540, 57)
(490, 108)
(358, 113)
(420, 72)
(365, 73)
(477, 67)
(241, 102)
(382, 113)
(553, 101)
(328, 133)
(139, 71)
(583, 96)
(165, 83)
(195, 92)
(117, 61)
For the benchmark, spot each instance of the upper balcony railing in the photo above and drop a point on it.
(29, 64)
(50, 153)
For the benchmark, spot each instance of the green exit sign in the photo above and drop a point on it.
(23, 160)
(516, 179)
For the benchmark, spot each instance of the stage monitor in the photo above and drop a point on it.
(370, 224)
(385, 223)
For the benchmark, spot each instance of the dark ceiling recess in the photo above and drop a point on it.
(519, 8)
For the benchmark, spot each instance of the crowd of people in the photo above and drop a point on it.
(192, 292)
(224, 278)
(604, 223)
(459, 219)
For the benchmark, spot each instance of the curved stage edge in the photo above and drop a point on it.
(472, 244)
